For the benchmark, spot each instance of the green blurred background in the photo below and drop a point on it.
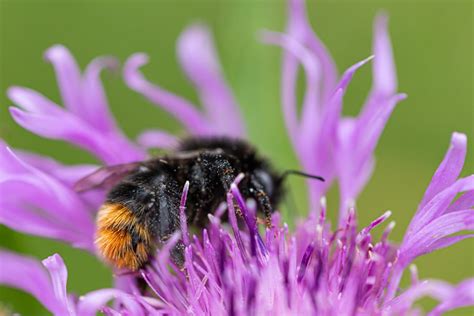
(432, 42)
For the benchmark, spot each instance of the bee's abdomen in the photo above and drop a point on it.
(121, 238)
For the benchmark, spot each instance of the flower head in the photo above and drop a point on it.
(230, 268)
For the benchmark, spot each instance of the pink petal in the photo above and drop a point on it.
(384, 83)
(321, 155)
(448, 241)
(68, 201)
(449, 169)
(461, 296)
(288, 99)
(95, 108)
(465, 201)
(432, 288)
(58, 273)
(24, 218)
(30, 276)
(183, 110)
(68, 77)
(299, 28)
(430, 237)
(39, 199)
(65, 126)
(439, 204)
(86, 120)
(93, 302)
(33, 101)
(67, 174)
(384, 73)
(198, 58)
(370, 129)
(157, 139)
(310, 102)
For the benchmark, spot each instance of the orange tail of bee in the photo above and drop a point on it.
(121, 239)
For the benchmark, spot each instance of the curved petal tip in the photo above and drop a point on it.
(53, 262)
(130, 70)
(196, 51)
(458, 139)
(56, 52)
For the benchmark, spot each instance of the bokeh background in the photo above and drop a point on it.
(433, 48)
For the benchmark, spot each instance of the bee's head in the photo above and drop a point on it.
(271, 182)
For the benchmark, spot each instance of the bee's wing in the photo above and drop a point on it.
(105, 177)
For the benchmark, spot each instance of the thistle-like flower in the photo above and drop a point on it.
(229, 268)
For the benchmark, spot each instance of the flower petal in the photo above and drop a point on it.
(69, 175)
(95, 108)
(384, 73)
(449, 169)
(157, 139)
(299, 28)
(30, 276)
(33, 101)
(288, 99)
(438, 205)
(45, 205)
(358, 138)
(182, 109)
(68, 77)
(93, 302)
(448, 241)
(198, 58)
(432, 288)
(430, 237)
(461, 296)
(58, 273)
(311, 67)
(25, 218)
(450, 297)
(323, 151)
(86, 120)
(65, 126)
(465, 201)
(370, 128)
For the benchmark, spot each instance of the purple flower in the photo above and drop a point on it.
(230, 268)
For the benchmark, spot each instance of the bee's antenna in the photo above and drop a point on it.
(299, 173)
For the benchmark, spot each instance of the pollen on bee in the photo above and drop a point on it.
(121, 239)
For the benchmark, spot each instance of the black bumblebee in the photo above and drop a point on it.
(142, 206)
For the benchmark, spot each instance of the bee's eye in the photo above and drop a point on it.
(266, 180)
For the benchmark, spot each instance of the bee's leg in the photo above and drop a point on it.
(262, 199)
(226, 174)
(218, 164)
(177, 254)
(224, 169)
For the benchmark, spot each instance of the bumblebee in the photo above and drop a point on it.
(142, 206)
